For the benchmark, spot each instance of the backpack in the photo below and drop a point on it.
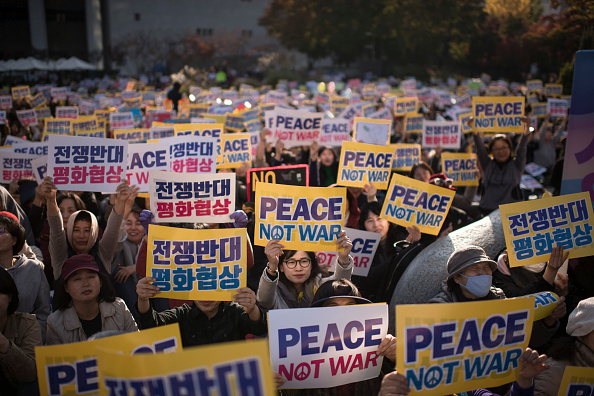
(405, 254)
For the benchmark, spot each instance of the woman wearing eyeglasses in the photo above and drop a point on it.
(292, 277)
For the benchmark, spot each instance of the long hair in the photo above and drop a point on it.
(62, 299)
(8, 287)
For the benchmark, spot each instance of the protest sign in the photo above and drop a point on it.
(383, 114)
(71, 369)
(233, 368)
(132, 135)
(197, 110)
(143, 157)
(235, 149)
(39, 168)
(464, 101)
(338, 104)
(409, 84)
(253, 125)
(577, 381)
(334, 132)
(2, 117)
(412, 202)
(461, 168)
(12, 140)
(43, 113)
(87, 164)
(534, 169)
(275, 97)
(404, 106)
(293, 127)
(292, 175)
(86, 107)
(20, 92)
(527, 182)
(533, 228)
(544, 304)
(59, 93)
(233, 122)
(362, 164)
(27, 117)
(406, 155)
(302, 218)
(197, 264)
(37, 149)
(85, 124)
(97, 133)
(70, 112)
(192, 154)
(38, 100)
(200, 129)
(557, 107)
(192, 198)
(367, 109)
(326, 346)
(364, 246)
(5, 102)
(15, 166)
(58, 127)
(123, 120)
(456, 347)
(160, 132)
(464, 117)
(540, 110)
(372, 131)
(533, 86)
(554, 90)
(498, 113)
(413, 123)
(445, 134)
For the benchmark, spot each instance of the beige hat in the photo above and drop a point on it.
(581, 320)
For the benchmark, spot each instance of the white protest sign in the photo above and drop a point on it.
(5, 102)
(10, 140)
(557, 107)
(326, 347)
(441, 133)
(123, 120)
(143, 157)
(27, 117)
(15, 166)
(372, 131)
(39, 168)
(70, 112)
(534, 169)
(293, 127)
(86, 163)
(192, 154)
(2, 117)
(334, 132)
(365, 244)
(275, 97)
(32, 148)
(187, 198)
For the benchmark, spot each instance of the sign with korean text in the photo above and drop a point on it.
(27, 117)
(197, 264)
(192, 154)
(233, 122)
(413, 123)
(498, 113)
(554, 90)
(413, 202)
(461, 168)
(406, 155)
(557, 107)
(58, 127)
(123, 120)
(15, 166)
(38, 100)
(445, 134)
(85, 163)
(365, 244)
(59, 93)
(5, 102)
(71, 369)
(533, 228)
(292, 175)
(362, 164)
(372, 131)
(302, 218)
(577, 381)
(192, 198)
(275, 97)
(20, 92)
(452, 348)
(335, 131)
(2, 117)
(540, 110)
(85, 124)
(405, 106)
(534, 86)
(69, 112)
(236, 149)
(231, 368)
(327, 347)
(293, 127)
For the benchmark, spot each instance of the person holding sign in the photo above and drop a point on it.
(204, 322)
(292, 277)
(323, 166)
(85, 304)
(502, 170)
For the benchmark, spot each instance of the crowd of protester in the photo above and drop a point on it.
(88, 251)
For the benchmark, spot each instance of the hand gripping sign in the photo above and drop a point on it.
(302, 218)
(449, 348)
(362, 164)
(325, 346)
(533, 228)
(365, 244)
(71, 369)
(232, 368)
(412, 202)
(577, 381)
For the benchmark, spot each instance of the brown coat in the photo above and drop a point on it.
(24, 334)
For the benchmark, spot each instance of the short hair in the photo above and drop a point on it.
(16, 230)
(62, 299)
(336, 288)
(8, 287)
(422, 165)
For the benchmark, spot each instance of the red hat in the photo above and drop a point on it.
(78, 262)
(441, 180)
(11, 215)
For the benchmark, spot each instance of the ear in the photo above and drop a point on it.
(459, 279)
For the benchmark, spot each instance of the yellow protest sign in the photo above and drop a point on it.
(219, 118)
(498, 113)
(302, 218)
(544, 304)
(577, 381)
(405, 106)
(338, 104)
(406, 155)
(461, 168)
(534, 86)
(197, 110)
(71, 369)
(197, 264)
(413, 123)
(361, 164)
(134, 135)
(232, 368)
(85, 124)
(235, 149)
(200, 129)
(20, 92)
(58, 126)
(413, 202)
(38, 100)
(233, 122)
(449, 348)
(554, 90)
(533, 228)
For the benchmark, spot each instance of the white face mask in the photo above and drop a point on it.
(536, 268)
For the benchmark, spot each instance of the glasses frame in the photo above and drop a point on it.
(300, 261)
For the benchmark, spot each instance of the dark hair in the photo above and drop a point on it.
(83, 216)
(324, 148)
(78, 203)
(8, 287)
(335, 288)
(62, 299)
(16, 230)
(287, 254)
(373, 207)
(422, 165)
(502, 138)
(563, 348)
